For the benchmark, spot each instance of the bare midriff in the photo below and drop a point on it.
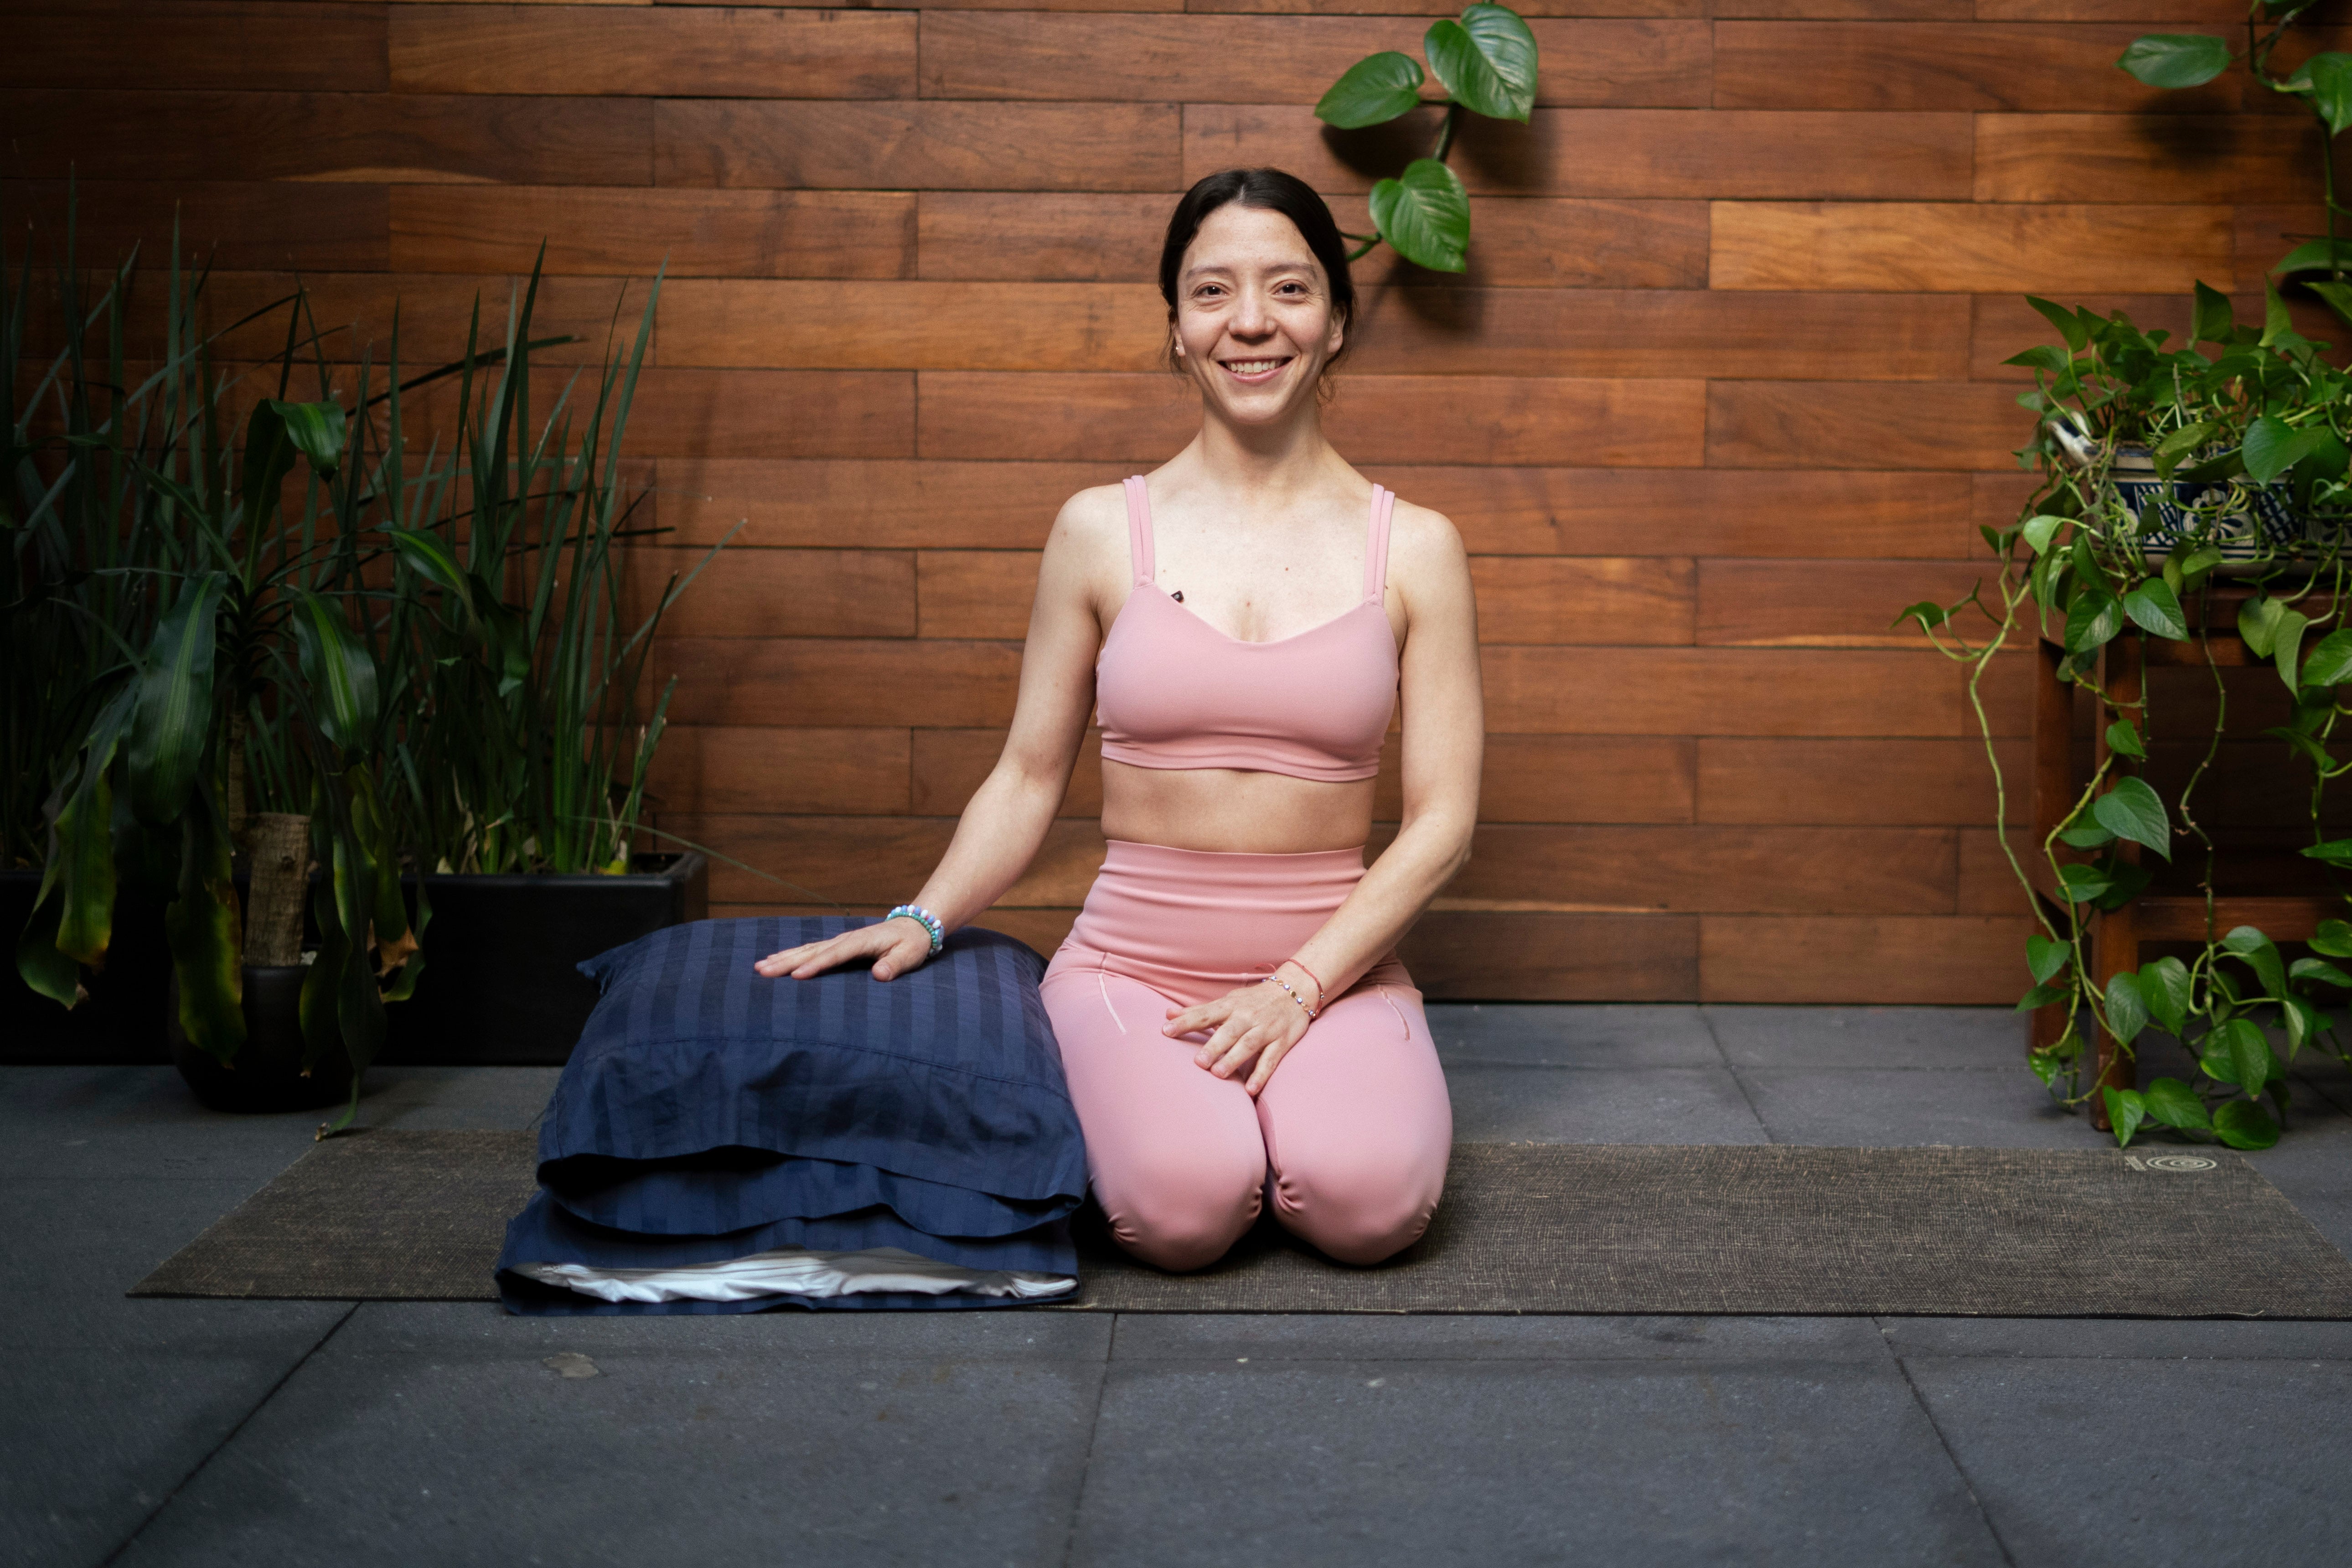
(1233, 811)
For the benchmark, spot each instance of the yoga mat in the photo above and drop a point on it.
(2163, 1232)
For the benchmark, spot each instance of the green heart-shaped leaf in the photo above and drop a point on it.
(2132, 810)
(2175, 1104)
(2124, 740)
(1425, 214)
(2164, 985)
(2332, 938)
(2331, 90)
(2242, 1124)
(2155, 608)
(2330, 662)
(2125, 1111)
(1372, 91)
(2093, 620)
(2126, 1009)
(1487, 60)
(2273, 447)
(2261, 954)
(2045, 956)
(2176, 59)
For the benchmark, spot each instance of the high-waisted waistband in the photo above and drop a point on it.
(1194, 923)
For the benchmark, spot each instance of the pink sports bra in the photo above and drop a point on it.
(1175, 692)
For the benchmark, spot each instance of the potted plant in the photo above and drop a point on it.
(300, 718)
(2162, 470)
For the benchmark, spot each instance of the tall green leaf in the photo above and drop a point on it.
(339, 670)
(174, 719)
(2214, 316)
(314, 429)
(2125, 1111)
(2126, 1009)
(2155, 607)
(1375, 89)
(206, 938)
(1425, 214)
(1487, 60)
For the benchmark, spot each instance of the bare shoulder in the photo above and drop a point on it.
(1092, 524)
(1423, 542)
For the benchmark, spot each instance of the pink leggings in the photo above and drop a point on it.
(1348, 1139)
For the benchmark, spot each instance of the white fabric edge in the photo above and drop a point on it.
(797, 1271)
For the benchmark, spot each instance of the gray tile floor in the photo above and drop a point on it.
(409, 1433)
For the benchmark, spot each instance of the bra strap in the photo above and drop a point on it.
(1138, 531)
(1376, 547)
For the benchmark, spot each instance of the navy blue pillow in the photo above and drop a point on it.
(938, 1095)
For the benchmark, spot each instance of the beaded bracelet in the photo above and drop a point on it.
(924, 918)
(1312, 1013)
(1319, 991)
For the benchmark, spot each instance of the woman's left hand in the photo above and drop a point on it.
(1256, 1021)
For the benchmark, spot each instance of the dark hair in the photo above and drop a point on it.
(1274, 190)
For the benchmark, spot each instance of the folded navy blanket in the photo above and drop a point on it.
(709, 1113)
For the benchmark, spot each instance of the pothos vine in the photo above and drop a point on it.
(2165, 471)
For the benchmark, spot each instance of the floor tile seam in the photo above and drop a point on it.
(1094, 1427)
(1919, 1398)
(2305, 1360)
(1706, 1018)
(227, 1438)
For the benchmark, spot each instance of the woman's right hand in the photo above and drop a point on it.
(895, 945)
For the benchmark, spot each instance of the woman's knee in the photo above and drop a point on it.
(1357, 1211)
(1183, 1217)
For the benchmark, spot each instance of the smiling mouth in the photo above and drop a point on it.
(1254, 368)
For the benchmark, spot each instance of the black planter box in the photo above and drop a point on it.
(499, 987)
(123, 1021)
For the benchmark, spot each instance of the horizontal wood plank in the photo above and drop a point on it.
(1988, 884)
(1614, 152)
(1493, 419)
(1722, 691)
(1422, 7)
(1583, 778)
(1850, 63)
(868, 860)
(824, 681)
(1619, 600)
(917, 145)
(1523, 241)
(887, 504)
(1846, 10)
(742, 593)
(975, 593)
(1832, 604)
(1968, 247)
(950, 764)
(2172, 11)
(700, 51)
(1884, 784)
(1499, 510)
(363, 138)
(1862, 424)
(725, 233)
(1546, 956)
(848, 772)
(772, 413)
(236, 225)
(1693, 512)
(247, 45)
(1135, 58)
(1893, 960)
(2189, 158)
(1699, 868)
(912, 325)
(2266, 233)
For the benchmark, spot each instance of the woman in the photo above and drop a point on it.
(1233, 1023)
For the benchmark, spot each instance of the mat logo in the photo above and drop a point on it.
(2169, 1163)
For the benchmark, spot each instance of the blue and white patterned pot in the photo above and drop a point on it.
(2267, 529)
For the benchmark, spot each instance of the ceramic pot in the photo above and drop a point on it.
(267, 1074)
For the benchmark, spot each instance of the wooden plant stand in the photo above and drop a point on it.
(2115, 936)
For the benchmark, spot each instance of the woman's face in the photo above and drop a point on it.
(1253, 322)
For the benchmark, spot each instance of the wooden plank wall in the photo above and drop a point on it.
(1721, 391)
